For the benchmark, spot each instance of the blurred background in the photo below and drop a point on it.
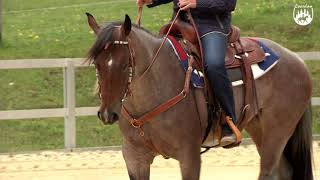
(41, 29)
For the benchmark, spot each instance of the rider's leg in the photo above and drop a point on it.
(214, 49)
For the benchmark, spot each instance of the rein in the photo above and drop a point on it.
(139, 122)
(161, 45)
(132, 59)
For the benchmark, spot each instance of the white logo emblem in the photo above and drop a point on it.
(303, 14)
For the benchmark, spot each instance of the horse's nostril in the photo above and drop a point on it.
(99, 115)
(114, 117)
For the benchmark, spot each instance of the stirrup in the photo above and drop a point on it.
(234, 129)
(228, 140)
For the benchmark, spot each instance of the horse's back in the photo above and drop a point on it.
(290, 67)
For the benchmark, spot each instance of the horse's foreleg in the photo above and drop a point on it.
(138, 163)
(190, 162)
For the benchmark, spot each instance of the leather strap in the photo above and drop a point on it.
(247, 70)
(250, 98)
(161, 45)
(206, 87)
(138, 123)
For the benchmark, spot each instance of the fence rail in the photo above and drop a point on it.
(69, 112)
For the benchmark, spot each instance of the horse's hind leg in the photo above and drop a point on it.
(273, 142)
(270, 147)
(285, 170)
(138, 163)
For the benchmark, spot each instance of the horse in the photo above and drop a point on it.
(303, 19)
(129, 77)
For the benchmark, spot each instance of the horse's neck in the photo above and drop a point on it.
(145, 46)
(164, 79)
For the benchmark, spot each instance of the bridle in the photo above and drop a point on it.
(139, 122)
(131, 66)
(132, 54)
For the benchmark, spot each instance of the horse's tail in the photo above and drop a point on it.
(298, 150)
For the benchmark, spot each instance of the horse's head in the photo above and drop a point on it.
(113, 60)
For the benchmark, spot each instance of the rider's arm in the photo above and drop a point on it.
(216, 6)
(158, 2)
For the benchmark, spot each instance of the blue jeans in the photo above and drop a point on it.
(214, 49)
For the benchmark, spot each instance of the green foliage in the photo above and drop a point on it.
(47, 29)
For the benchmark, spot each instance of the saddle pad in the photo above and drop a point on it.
(197, 78)
(258, 70)
(234, 74)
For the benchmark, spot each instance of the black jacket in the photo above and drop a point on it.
(209, 15)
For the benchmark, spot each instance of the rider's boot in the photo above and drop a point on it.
(229, 136)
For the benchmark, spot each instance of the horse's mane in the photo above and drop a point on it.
(105, 36)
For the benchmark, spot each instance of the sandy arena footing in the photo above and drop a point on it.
(241, 163)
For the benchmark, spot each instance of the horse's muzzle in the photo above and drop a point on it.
(108, 118)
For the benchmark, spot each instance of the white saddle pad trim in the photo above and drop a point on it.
(257, 73)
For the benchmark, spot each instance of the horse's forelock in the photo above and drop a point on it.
(105, 36)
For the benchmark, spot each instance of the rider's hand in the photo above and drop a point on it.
(140, 3)
(187, 4)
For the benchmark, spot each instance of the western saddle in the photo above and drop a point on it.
(236, 46)
(241, 53)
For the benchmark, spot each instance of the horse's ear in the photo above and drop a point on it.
(126, 26)
(93, 23)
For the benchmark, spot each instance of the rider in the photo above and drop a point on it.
(213, 20)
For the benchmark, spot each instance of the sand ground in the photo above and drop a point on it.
(241, 163)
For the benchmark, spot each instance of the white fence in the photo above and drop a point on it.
(70, 111)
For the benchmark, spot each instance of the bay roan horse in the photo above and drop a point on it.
(282, 131)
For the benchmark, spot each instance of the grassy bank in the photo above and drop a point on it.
(34, 30)
(46, 29)
(42, 134)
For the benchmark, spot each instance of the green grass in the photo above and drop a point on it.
(63, 32)
(20, 5)
(47, 29)
(40, 134)
(314, 70)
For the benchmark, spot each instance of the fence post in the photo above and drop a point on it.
(69, 104)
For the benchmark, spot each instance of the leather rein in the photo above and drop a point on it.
(139, 122)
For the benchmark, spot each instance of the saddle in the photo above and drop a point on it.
(236, 45)
(241, 53)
